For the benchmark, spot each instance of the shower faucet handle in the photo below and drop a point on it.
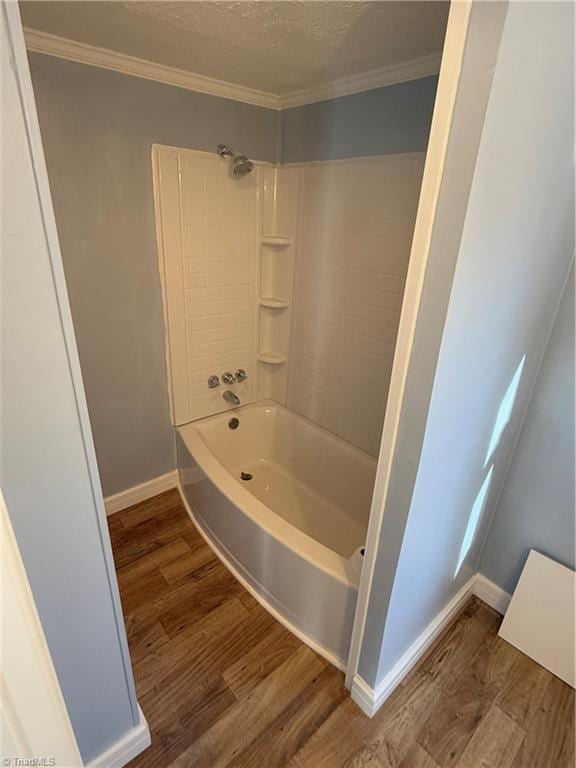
(241, 374)
(213, 381)
(228, 378)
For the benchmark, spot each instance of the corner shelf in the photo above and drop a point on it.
(271, 358)
(279, 242)
(271, 302)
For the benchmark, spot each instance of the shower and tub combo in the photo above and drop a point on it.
(281, 314)
(285, 505)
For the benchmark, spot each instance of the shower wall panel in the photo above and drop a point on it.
(356, 222)
(209, 228)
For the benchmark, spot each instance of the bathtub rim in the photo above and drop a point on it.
(221, 553)
(311, 550)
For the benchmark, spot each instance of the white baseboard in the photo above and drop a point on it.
(135, 741)
(491, 594)
(140, 492)
(371, 699)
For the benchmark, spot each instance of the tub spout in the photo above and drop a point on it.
(231, 397)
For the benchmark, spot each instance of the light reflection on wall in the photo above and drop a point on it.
(474, 519)
(504, 411)
(502, 419)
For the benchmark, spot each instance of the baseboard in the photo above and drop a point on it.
(126, 748)
(491, 593)
(141, 492)
(371, 699)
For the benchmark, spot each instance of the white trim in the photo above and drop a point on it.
(104, 58)
(141, 492)
(455, 43)
(62, 48)
(365, 81)
(234, 570)
(491, 594)
(126, 748)
(371, 699)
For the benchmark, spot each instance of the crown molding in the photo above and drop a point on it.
(365, 81)
(82, 53)
(71, 50)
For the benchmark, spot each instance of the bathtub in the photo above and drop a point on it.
(292, 531)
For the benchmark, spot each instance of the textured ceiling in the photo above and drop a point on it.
(277, 47)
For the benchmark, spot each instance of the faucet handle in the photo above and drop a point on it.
(241, 374)
(213, 381)
(228, 378)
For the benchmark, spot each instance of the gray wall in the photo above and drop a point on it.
(98, 127)
(383, 121)
(48, 468)
(512, 259)
(536, 508)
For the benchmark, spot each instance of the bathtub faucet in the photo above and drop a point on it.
(231, 397)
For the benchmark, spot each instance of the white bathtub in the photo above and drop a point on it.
(293, 533)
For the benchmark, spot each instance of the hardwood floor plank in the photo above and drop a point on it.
(375, 754)
(452, 653)
(294, 725)
(203, 665)
(196, 713)
(495, 742)
(251, 716)
(466, 700)
(115, 527)
(417, 757)
(156, 666)
(549, 741)
(151, 508)
(398, 725)
(150, 534)
(145, 639)
(139, 593)
(211, 591)
(188, 564)
(154, 669)
(128, 550)
(522, 692)
(336, 740)
(262, 659)
(193, 538)
(185, 602)
(161, 556)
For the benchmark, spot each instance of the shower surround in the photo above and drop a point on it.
(282, 289)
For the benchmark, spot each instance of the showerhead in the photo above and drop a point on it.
(242, 165)
(224, 150)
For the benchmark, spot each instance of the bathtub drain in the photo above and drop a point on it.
(245, 476)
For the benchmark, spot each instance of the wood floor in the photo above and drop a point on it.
(223, 684)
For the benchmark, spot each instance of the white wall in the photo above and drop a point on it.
(356, 224)
(512, 260)
(536, 508)
(48, 468)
